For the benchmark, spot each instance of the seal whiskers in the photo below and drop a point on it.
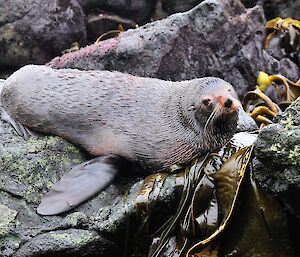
(210, 120)
(126, 122)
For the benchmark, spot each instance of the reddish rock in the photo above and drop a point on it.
(216, 38)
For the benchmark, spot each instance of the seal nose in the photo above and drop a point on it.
(228, 103)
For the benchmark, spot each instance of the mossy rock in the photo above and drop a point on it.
(277, 167)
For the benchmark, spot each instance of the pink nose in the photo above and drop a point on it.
(226, 101)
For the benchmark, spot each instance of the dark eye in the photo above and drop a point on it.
(206, 101)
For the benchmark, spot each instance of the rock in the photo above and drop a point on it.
(174, 6)
(139, 11)
(252, 3)
(34, 32)
(96, 228)
(216, 38)
(98, 25)
(277, 8)
(282, 8)
(278, 157)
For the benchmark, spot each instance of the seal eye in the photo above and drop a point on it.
(206, 101)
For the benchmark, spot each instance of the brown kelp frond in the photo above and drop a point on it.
(111, 33)
(260, 106)
(228, 180)
(197, 219)
(287, 31)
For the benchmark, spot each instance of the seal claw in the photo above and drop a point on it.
(80, 184)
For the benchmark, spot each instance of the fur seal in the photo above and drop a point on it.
(123, 120)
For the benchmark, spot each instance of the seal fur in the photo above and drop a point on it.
(149, 122)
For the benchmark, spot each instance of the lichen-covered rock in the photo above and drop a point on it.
(95, 228)
(277, 149)
(216, 38)
(34, 31)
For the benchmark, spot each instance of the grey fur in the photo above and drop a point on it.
(143, 119)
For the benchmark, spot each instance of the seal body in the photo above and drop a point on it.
(150, 122)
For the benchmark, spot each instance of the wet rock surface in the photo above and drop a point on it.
(216, 38)
(35, 31)
(278, 157)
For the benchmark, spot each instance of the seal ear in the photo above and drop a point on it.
(80, 184)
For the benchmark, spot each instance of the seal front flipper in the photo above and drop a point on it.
(21, 129)
(80, 184)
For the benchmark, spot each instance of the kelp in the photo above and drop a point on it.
(111, 33)
(288, 32)
(227, 180)
(258, 228)
(257, 103)
(209, 194)
(221, 212)
(260, 106)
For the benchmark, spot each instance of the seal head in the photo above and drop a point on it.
(123, 120)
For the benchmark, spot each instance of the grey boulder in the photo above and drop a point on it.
(35, 32)
(216, 38)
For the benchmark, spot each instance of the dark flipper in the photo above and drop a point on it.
(80, 184)
(21, 129)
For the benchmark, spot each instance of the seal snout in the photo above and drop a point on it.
(227, 103)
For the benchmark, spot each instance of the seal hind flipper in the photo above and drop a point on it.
(80, 184)
(20, 128)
